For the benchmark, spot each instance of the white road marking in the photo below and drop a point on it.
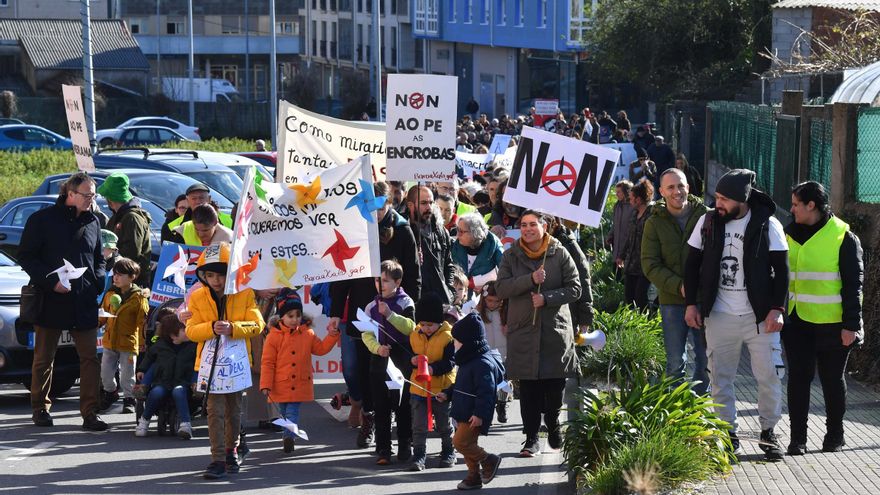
(23, 453)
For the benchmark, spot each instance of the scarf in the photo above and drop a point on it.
(534, 255)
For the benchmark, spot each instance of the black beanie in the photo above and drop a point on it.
(429, 308)
(469, 329)
(287, 300)
(736, 184)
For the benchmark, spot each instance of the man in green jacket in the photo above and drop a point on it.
(130, 223)
(664, 252)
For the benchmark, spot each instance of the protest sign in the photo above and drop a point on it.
(166, 288)
(288, 235)
(627, 156)
(76, 123)
(499, 144)
(544, 111)
(472, 163)
(510, 238)
(231, 367)
(421, 127)
(561, 176)
(309, 143)
(504, 160)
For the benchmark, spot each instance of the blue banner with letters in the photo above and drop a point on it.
(164, 288)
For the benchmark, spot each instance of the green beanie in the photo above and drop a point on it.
(115, 188)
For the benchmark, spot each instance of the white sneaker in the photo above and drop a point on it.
(141, 428)
(185, 431)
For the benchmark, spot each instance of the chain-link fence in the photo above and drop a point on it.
(868, 156)
(744, 136)
(820, 152)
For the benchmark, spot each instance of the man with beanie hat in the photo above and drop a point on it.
(736, 284)
(473, 398)
(130, 223)
(642, 167)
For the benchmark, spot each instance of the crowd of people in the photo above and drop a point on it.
(460, 317)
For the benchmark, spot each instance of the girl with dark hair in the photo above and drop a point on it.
(635, 284)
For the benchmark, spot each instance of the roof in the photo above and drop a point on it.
(57, 43)
(829, 4)
(862, 86)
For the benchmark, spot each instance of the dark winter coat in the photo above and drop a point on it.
(632, 251)
(473, 393)
(50, 236)
(436, 255)
(131, 224)
(172, 364)
(582, 309)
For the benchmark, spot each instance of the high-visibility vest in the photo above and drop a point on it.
(814, 274)
(190, 236)
(225, 220)
(464, 209)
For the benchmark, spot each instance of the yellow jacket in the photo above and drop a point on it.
(438, 348)
(241, 311)
(125, 333)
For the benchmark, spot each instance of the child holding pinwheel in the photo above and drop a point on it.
(286, 368)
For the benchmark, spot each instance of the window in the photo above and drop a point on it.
(433, 17)
(24, 211)
(165, 136)
(175, 27)
(419, 16)
(393, 7)
(453, 10)
(519, 13)
(501, 12)
(4, 3)
(485, 6)
(468, 11)
(287, 28)
(579, 14)
(393, 61)
(542, 13)
(229, 24)
(420, 54)
(135, 25)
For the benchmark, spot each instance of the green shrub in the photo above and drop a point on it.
(634, 348)
(226, 145)
(607, 289)
(592, 239)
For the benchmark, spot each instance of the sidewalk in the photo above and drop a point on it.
(855, 470)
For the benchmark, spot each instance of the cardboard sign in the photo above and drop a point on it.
(165, 289)
(504, 160)
(76, 123)
(545, 110)
(499, 144)
(299, 234)
(420, 127)
(232, 368)
(561, 176)
(309, 143)
(472, 163)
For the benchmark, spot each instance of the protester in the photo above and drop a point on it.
(450, 218)
(694, 179)
(130, 223)
(540, 280)
(662, 155)
(737, 271)
(493, 312)
(65, 231)
(663, 256)
(643, 139)
(260, 145)
(642, 167)
(204, 228)
(433, 242)
(196, 194)
(620, 220)
(635, 286)
(476, 251)
(825, 312)
(582, 309)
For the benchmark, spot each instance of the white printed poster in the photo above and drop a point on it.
(76, 124)
(561, 176)
(420, 127)
(472, 163)
(309, 143)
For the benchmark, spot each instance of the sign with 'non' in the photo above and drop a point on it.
(561, 176)
(76, 123)
(420, 127)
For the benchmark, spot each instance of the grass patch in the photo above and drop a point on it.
(634, 349)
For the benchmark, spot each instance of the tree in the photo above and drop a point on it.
(678, 48)
(354, 89)
(8, 104)
(304, 87)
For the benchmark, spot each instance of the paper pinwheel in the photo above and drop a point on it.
(178, 268)
(290, 425)
(340, 251)
(307, 194)
(366, 324)
(284, 271)
(366, 201)
(67, 272)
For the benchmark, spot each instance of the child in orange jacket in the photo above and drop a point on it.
(286, 368)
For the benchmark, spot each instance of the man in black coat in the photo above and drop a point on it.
(434, 245)
(67, 231)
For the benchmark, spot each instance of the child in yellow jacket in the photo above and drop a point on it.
(215, 314)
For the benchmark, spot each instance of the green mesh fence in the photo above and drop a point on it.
(868, 156)
(820, 152)
(744, 136)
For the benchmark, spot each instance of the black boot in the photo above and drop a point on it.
(501, 410)
(128, 405)
(365, 434)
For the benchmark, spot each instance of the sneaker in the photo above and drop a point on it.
(554, 438)
(384, 458)
(42, 418)
(404, 450)
(735, 445)
(417, 465)
(501, 410)
(233, 466)
(770, 445)
(243, 451)
(472, 482)
(531, 447)
(365, 434)
(833, 442)
(287, 444)
(107, 400)
(446, 460)
(141, 429)
(215, 471)
(128, 405)
(185, 431)
(489, 468)
(94, 423)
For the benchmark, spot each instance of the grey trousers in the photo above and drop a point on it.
(440, 410)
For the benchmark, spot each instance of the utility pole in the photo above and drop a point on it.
(273, 86)
(377, 60)
(159, 85)
(87, 73)
(192, 82)
(247, 52)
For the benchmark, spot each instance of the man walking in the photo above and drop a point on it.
(664, 254)
(737, 271)
(67, 231)
(433, 242)
(130, 223)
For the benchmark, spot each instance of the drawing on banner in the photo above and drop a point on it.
(504, 160)
(561, 176)
(420, 130)
(76, 124)
(169, 265)
(232, 367)
(309, 143)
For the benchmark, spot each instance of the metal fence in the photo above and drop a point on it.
(744, 136)
(820, 152)
(867, 183)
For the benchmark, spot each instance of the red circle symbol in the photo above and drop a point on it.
(416, 100)
(556, 178)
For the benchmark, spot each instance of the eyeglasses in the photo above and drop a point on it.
(88, 196)
(462, 231)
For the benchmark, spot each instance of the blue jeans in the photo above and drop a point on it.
(675, 336)
(158, 393)
(290, 412)
(349, 364)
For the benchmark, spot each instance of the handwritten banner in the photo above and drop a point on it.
(76, 123)
(165, 288)
(231, 366)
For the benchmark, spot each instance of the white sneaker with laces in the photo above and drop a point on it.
(185, 431)
(141, 428)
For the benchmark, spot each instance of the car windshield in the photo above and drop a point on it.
(241, 170)
(164, 189)
(226, 183)
(6, 260)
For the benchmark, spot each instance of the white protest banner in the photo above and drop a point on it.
(420, 127)
(309, 143)
(472, 163)
(230, 364)
(627, 156)
(299, 234)
(76, 123)
(561, 176)
(505, 160)
(499, 144)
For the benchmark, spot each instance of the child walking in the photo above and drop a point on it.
(215, 314)
(473, 398)
(494, 314)
(172, 358)
(123, 335)
(286, 368)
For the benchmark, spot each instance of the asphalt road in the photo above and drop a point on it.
(67, 459)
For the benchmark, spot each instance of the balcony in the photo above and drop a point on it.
(232, 44)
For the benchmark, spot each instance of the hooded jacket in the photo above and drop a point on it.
(131, 224)
(286, 368)
(172, 363)
(582, 309)
(240, 309)
(125, 333)
(439, 350)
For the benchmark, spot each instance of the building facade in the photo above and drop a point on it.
(54, 9)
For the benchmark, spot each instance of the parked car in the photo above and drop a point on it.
(242, 169)
(26, 137)
(8, 120)
(160, 188)
(209, 168)
(147, 134)
(15, 213)
(267, 159)
(17, 337)
(106, 137)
